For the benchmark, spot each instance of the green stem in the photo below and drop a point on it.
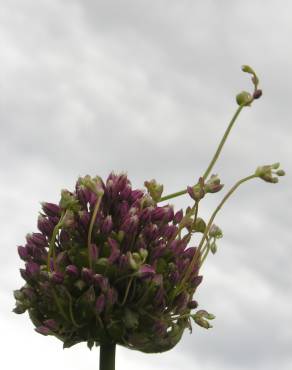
(230, 192)
(96, 208)
(173, 195)
(222, 142)
(52, 242)
(215, 157)
(107, 356)
(127, 291)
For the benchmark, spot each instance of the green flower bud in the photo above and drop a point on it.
(247, 69)
(154, 189)
(132, 262)
(213, 247)
(200, 225)
(280, 173)
(68, 201)
(143, 253)
(243, 98)
(215, 232)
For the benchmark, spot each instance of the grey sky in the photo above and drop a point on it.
(148, 87)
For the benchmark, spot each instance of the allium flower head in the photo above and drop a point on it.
(106, 266)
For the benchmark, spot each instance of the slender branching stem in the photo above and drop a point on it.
(215, 157)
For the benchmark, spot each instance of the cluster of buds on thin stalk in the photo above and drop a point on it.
(112, 264)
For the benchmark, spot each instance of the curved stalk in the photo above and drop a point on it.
(215, 157)
(230, 192)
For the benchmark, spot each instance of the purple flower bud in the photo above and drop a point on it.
(169, 214)
(130, 224)
(24, 274)
(93, 199)
(159, 297)
(72, 271)
(39, 255)
(107, 225)
(29, 293)
(193, 304)
(189, 252)
(100, 303)
(38, 239)
(181, 302)
(62, 258)
(101, 282)
(196, 281)
(174, 277)
(123, 210)
(121, 182)
(150, 232)
(158, 214)
(196, 192)
(51, 324)
(43, 330)
(115, 251)
(169, 231)
(111, 297)
(145, 271)
(178, 217)
(23, 253)
(64, 236)
(126, 192)
(175, 247)
(123, 262)
(158, 251)
(51, 209)
(146, 214)
(83, 194)
(136, 194)
(57, 277)
(87, 275)
(45, 226)
(32, 269)
(160, 328)
(93, 252)
(88, 298)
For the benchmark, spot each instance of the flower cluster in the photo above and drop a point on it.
(109, 265)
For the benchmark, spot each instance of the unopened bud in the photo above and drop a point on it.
(200, 225)
(213, 247)
(243, 98)
(215, 232)
(257, 94)
(154, 189)
(247, 69)
(280, 173)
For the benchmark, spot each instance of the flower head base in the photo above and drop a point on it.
(105, 267)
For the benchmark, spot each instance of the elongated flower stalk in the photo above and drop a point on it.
(110, 265)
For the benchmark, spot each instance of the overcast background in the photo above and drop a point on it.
(148, 87)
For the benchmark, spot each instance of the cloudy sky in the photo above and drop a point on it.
(148, 87)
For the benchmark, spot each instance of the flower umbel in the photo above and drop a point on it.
(111, 265)
(134, 252)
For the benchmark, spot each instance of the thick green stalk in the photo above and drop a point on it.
(107, 356)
